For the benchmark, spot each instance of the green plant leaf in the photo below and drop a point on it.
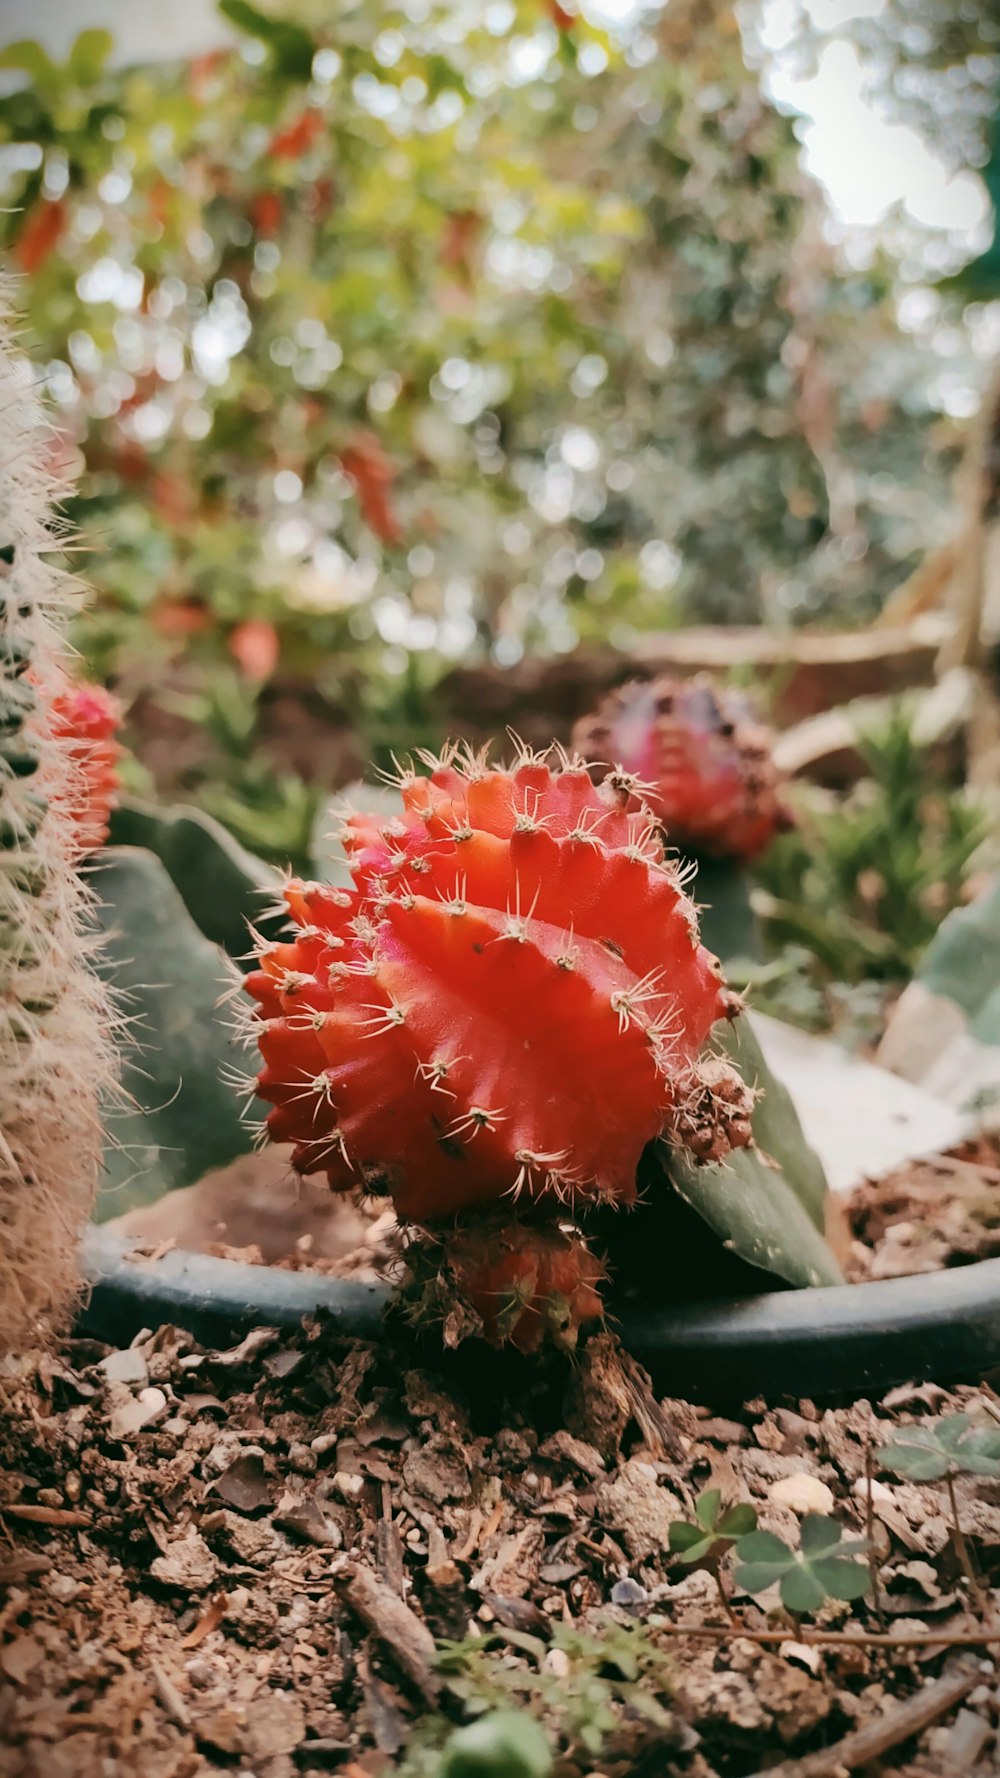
(767, 1202)
(738, 1521)
(183, 1118)
(817, 1571)
(31, 58)
(291, 47)
(224, 888)
(915, 1456)
(841, 1579)
(714, 1529)
(729, 925)
(89, 54)
(801, 1590)
(817, 1534)
(954, 1444)
(501, 1744)
(765, 1547)
(706, 1508)
(688, 1541)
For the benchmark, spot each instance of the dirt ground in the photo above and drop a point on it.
(306, 1554)
(241, 1561)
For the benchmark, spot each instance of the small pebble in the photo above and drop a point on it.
(125, 1367)
(628, 1593)
(348, 1485)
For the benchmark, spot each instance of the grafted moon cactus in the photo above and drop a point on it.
(703, 758)
(511, 1000)
(84, 720)
(55, 1017)
(526, 1283)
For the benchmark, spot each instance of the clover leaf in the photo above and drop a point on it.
(716, 1527)
(818, 1570)
(955, 1444)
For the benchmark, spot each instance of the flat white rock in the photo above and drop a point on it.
(861, 1120)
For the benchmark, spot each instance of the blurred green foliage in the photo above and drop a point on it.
(389, 334)
(857, 890)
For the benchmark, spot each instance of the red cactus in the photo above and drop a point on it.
(511, 999)
(703, 758)
(84, 720)
(526, 1283)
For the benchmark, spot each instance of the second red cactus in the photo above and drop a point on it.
(704, 760)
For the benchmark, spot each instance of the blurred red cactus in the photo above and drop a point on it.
(703, 758)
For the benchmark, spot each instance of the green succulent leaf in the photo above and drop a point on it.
(729, 925)
(224, 888)
(183, 1117)
(766, 1202)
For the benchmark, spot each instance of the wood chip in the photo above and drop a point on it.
(391, 1620)
(862, 1746)
(169, 1696)
(209, 1620)
(63, 1517)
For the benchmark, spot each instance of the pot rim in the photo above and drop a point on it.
(841, 1339)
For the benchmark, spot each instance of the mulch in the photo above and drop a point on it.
(243, 1561)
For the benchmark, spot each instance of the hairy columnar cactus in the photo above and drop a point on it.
(510, 1001)
(55, 1019)
(703, 758)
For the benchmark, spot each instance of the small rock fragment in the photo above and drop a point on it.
(187, 1563)
(126, 1366)
(634, 1504)
(803, 1493)
(132, 1414)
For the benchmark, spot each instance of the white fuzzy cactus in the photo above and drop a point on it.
(56, 1022)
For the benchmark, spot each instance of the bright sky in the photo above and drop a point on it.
(866, 163)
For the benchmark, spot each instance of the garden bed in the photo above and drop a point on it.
(241, 1561)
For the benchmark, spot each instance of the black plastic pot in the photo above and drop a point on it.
(846, 1340)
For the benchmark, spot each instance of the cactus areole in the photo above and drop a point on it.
(703, 758)
(510, 1001)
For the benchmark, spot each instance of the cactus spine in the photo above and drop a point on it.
(55, 1015)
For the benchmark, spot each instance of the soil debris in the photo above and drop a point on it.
(280, 1575)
